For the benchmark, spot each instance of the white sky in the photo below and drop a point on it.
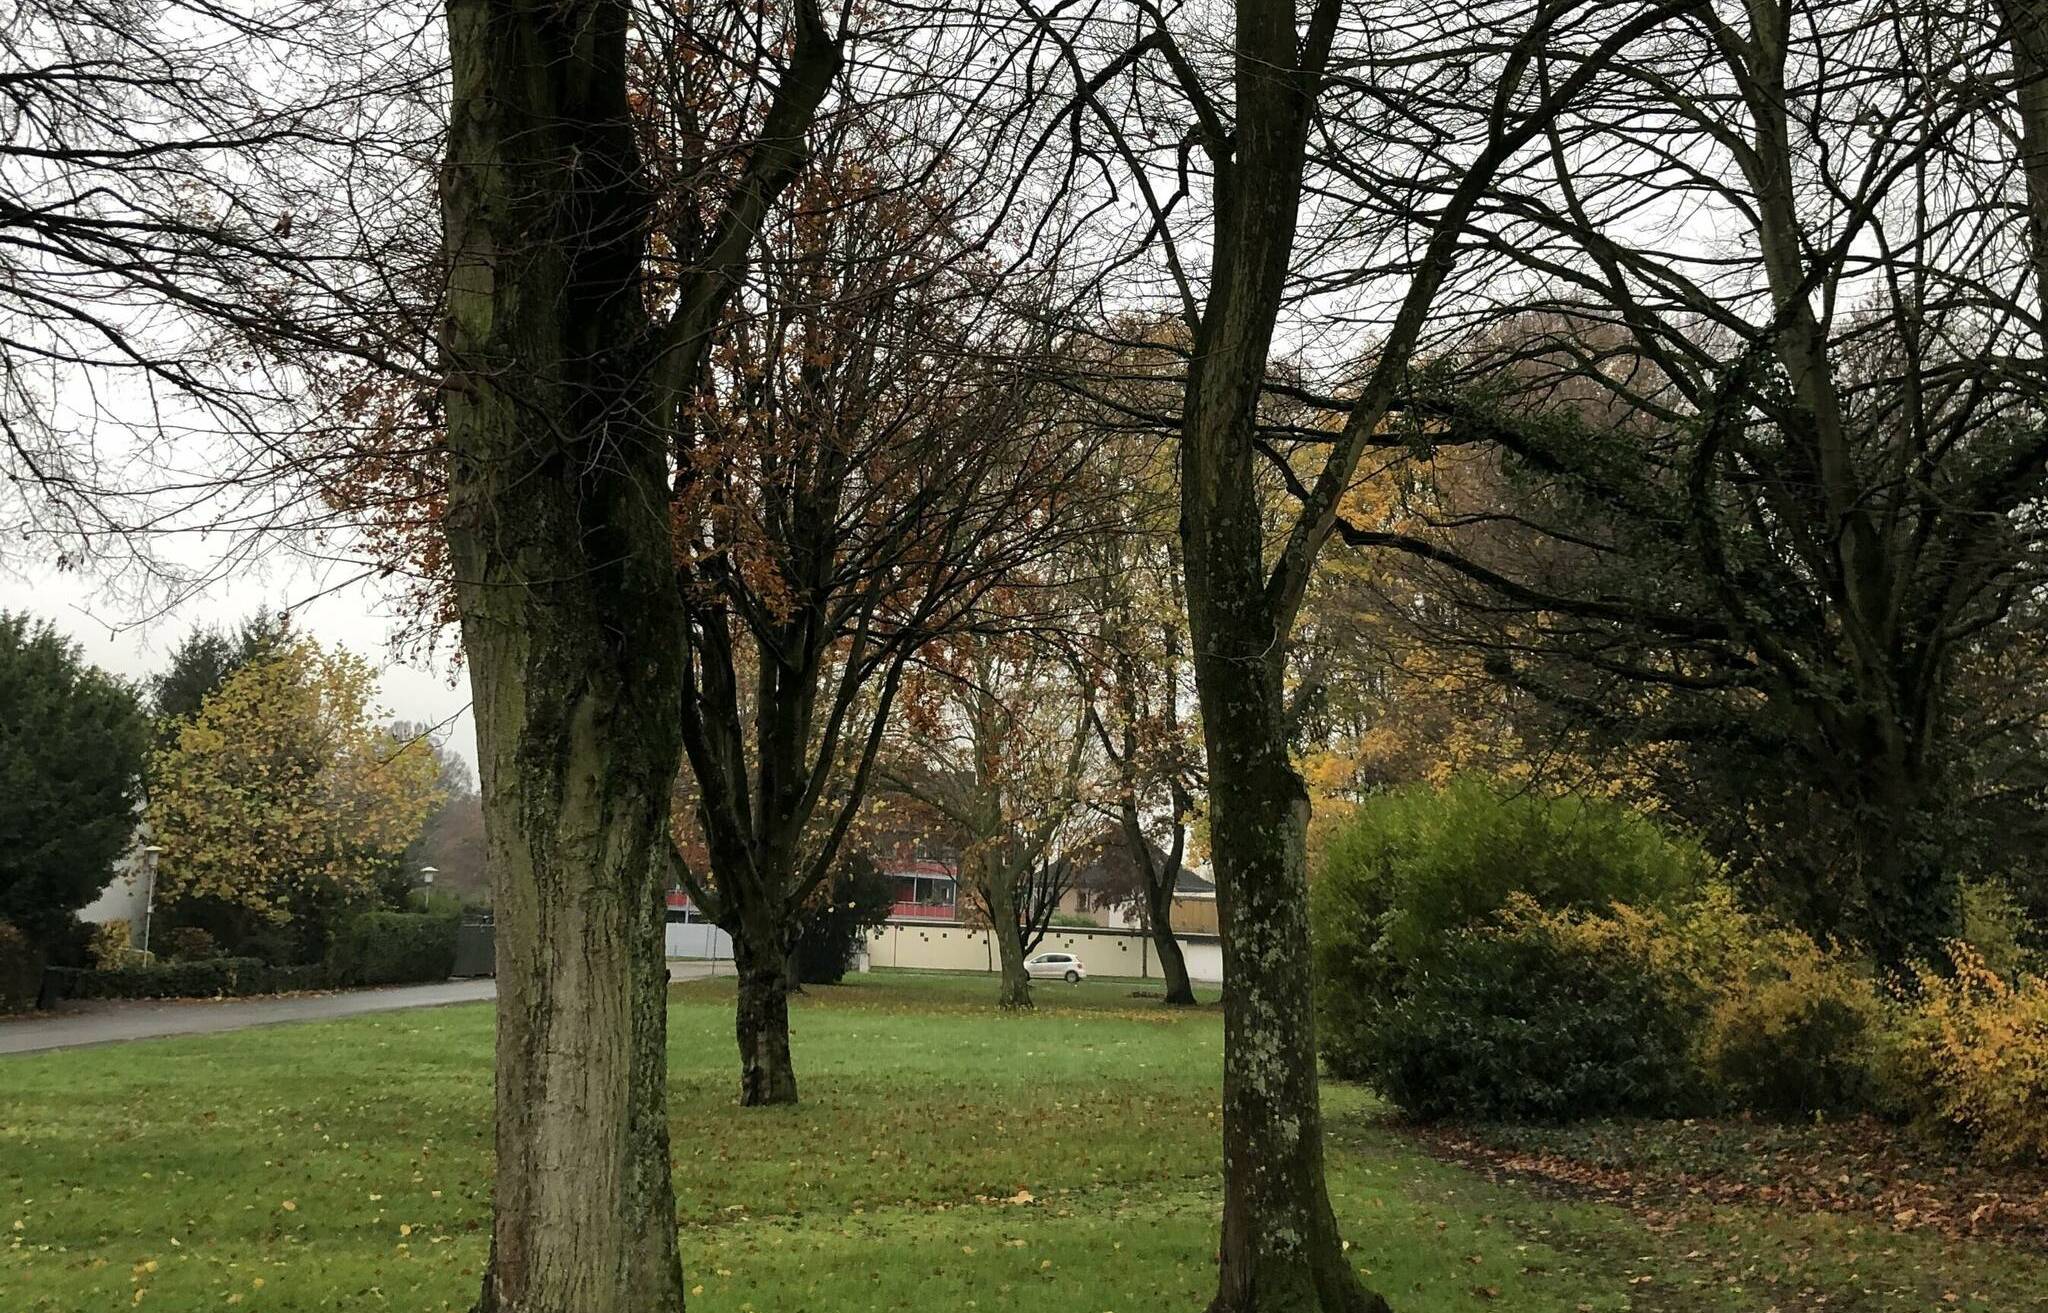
(119, 637)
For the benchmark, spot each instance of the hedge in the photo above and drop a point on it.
(220, 977)
(393, 948)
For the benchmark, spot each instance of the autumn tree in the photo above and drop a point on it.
(995, 743)
(283, 799)
(860, 467)
(1149, 754)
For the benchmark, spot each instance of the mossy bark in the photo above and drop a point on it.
(1280, 1251)
(556, 525)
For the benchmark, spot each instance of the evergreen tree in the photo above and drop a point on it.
(71, 744)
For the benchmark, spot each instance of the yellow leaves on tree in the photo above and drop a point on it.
(283, 787)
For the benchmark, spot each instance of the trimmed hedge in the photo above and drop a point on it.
(394, 948)
(220, 977)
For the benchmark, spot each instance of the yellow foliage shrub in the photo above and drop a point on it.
(1976, 1044)
(1795, 1032)
(110, 944)
(1784, 1025)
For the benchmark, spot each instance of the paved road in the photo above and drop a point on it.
(109, 1023)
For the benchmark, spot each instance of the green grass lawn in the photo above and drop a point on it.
(944, 1158)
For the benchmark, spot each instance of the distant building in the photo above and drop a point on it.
(1107, 892)
(927, 889)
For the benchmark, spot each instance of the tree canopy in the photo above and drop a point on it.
(72, 739)
(283, 794)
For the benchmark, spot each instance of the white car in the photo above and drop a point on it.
(1057, 966)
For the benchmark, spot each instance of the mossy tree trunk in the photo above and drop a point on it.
(563, 397)
(1280, 1251)
(574, 645)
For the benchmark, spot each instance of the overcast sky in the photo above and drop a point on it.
(119, 636)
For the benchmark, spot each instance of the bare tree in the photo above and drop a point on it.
(995, 742)
(200, 209)
(1772, 498)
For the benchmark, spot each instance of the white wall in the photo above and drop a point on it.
(1105, 952)
(122, 900)
(698, 939)
(126, 897)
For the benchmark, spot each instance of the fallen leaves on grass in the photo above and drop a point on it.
(1866, 1169)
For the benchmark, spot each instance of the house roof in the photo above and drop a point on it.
(920, 866)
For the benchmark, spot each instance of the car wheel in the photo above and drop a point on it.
(1073, 977)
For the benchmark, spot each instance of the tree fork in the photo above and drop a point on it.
(557, 530)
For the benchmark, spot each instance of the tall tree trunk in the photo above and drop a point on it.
(1908, 902)
(761, 1019)
(1280, 1249)
(574, 642)
(1173, 964)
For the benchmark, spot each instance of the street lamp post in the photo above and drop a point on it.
(150, 855)
(427, 874)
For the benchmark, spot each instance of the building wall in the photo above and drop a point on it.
(961, 948)
(122, 900)
(1191, 915)
(1195, 916)
(126, 897)
(1105, 952)
(698, 939)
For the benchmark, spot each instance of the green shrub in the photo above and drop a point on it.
(273, 944)
(188, 943)
(21, 970)
(1412, 869)
(1538, 1018)
(220, 977)
(838, 922)
(1996, 926)
(393, 948)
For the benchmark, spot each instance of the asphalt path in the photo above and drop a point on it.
(78, 1024)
